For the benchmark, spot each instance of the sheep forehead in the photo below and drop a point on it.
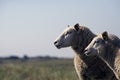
(69, 29)
(98, 37)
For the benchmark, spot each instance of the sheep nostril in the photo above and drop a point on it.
(55, 42)
(85, 51)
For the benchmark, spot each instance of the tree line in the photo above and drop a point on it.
(25, 57)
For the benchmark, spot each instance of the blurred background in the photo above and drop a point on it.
(29, 27)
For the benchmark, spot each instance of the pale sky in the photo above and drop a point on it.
(31, 26)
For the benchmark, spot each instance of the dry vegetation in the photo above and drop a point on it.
(33, 69)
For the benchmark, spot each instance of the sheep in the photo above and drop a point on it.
(88, 68)
(103, 47)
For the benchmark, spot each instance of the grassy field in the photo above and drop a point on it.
(61, 69)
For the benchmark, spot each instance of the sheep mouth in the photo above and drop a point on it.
(58, 46)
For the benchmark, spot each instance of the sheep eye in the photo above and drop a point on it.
(98, 41)
(69, 32)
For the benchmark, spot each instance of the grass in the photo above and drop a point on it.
(61, 69)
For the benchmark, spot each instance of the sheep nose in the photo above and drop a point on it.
(87, 52)
(55, 42)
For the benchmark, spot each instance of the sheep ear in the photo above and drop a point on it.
(76, 26)
(105, 35)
